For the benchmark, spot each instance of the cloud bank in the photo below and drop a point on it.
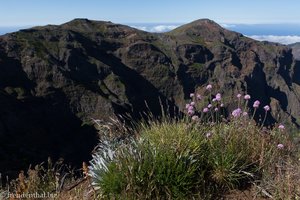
(288, 39)
(157, 28)
(163, 28)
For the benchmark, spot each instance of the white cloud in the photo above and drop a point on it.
(162, 28)
(288, 39)
(228, 25)
(156, 28)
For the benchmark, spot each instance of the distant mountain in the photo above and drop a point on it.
(296, 50)
(54, 79)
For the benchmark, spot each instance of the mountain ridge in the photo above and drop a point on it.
(55, 79)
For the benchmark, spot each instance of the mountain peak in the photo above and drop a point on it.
(205, 21)
(83, 22)
(198, 26)
(81, 19)
(87, 26)
(205, 29)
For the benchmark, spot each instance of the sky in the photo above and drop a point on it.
(238, 15)
(31, 12)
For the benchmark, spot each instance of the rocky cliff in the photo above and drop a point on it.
(54, 79)
(296, 50)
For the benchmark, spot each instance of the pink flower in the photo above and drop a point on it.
(245, 114)
(199, 97)
(187, 105)
(222, 105)
(191, 108)
(267, 108)
(238, 95)
(256, 104)
(205, 110)
(216, 109)
(247, 97)
(195, 118)
(191, 112)
(280, 146)
(218, 97)
(237, 112)
(192, 95)
(209, 87)
(281, 127)
(209, 105)
(214, 99)
(192, 103)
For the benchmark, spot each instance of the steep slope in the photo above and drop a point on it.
(296, 50)
(55, 79)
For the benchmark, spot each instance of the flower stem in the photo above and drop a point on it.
(253, 114)
(262, 124)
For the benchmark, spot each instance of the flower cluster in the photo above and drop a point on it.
(237, 112)
(196, 110)
(214, 105)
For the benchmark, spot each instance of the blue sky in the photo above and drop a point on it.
(40, 12)
(273, 20)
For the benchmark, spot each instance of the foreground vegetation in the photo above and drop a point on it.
(180, 160)
(205, 155)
